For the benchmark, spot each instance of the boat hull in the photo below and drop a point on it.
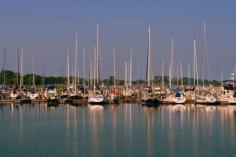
(150, 102)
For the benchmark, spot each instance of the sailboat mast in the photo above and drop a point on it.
(18, 64)
(177, 75)
(4, 65)
(138, 69)
(97, 54)
(171, 61)
(194, 62)
(181, 74)
(195, 71)
(94, 69)
(21, 68)
(33, 68)
(189, 75)
(76, 54)
(90, 72)
(126, 71)
(131, 64)
(114, 70)
(84, 77)
(204, 54)
(68, 67)
(149, 58)
(162, 74)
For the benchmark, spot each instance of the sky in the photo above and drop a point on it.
(49, 27)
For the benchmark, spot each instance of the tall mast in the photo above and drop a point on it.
(148, 77)
(90, 72)
(114, 70)
(84, 77)
(97, 54)
(21, 68)
(194, 62)
(126, 73)
(131, 64)
(94, 69)
(18, 64)
(177, 75)
(4, 65)
(138, 73)
(171, 61)
(204, 54)
(181, 74)
(195, 69)
(189, 75)
(76, 55)
(68, 67)
(162, 73)
(33, 65)
(234, 75)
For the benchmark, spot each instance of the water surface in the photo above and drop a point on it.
(117, 130)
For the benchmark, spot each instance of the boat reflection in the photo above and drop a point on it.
(149, 116)
(96, 123)
(52, 107)
(95, 107)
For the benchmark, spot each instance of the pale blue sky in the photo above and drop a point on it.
(50, 25)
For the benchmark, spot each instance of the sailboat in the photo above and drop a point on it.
(33, 94)
(75, 97)
(176, 95)
(20, 95)
(148, 98)
(51, 95)
(227, 94)
(206, 96)
(128, 92)
(114, 97)
(15, 92)
(97, 96)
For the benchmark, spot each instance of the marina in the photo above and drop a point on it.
(120, 78)
(81, 89)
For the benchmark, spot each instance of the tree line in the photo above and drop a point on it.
(12, 78)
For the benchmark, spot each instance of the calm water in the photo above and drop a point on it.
(123, 130)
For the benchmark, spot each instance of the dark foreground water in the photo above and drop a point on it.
(123, 130)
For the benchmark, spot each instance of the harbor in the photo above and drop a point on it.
(120, 78)
(90, 88)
